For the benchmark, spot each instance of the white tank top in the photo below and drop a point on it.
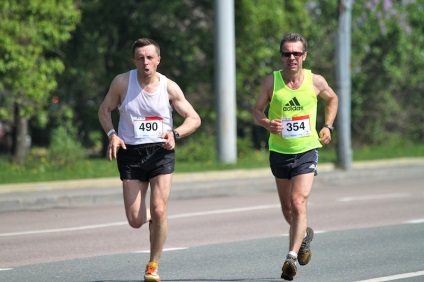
(144, 116)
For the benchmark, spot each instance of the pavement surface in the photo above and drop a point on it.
(102, 191)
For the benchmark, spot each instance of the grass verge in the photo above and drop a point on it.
(39, 170)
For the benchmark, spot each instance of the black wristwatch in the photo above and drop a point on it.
(176, 134)
(329, 127)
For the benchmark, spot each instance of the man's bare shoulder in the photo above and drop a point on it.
(174, 90)
(120, 83)
(319, 81)
(267, 85)
(269, 79)
(122, 77)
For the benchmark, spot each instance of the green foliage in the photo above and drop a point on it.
(196, 148)
(387, 41)
(202, 148)
(384, 108)
(387, 59)
(30, 35)
(65, 149)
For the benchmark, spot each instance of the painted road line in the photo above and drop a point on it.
(395, 277)
(164, 250)
(112, 224)
(374, 197)
(415, 221)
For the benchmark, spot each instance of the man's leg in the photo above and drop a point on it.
(160, 191)
(302, 185)
(284, 188)
(293, 196)
(134, 192)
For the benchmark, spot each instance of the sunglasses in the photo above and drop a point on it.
(295, 54)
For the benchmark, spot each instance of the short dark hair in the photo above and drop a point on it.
(293, 37)
(141, 42)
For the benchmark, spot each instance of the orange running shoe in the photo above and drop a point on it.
(151, 273)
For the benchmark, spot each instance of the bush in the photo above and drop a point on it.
(64, 148)
(203, 148)
(196, 148)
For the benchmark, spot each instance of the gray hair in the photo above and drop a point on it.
(293, 37)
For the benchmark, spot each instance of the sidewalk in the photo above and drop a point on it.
(26, 196)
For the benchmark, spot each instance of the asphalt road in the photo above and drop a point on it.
(367, 229)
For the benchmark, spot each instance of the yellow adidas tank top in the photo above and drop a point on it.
(298, 111)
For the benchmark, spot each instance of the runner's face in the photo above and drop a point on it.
(293, 56)
(146, 59)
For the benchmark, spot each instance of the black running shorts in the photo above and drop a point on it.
(145, 161)
(286, 166)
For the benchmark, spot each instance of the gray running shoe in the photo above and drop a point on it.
(305, 254)
(289, 268)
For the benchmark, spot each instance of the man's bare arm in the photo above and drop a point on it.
(112, 100)
(274, 126)
(191, 118)
(326, 92)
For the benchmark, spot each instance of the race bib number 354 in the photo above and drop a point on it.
(296, 127)
(148, 127)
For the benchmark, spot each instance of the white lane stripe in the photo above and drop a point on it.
(193, 214)
(374, 197)
(78, 228)
(3, 269)
(395, 277)
(164, 250)
(415, 221)
(183, 215)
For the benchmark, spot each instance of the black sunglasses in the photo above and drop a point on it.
(295, 54)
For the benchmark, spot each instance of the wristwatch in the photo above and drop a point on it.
(329, 127)
(176, 134)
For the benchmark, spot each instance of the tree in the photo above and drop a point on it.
(387, 44)
(31, 33)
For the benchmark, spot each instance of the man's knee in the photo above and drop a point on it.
(158, 213)
(135, 221)
(298, 206)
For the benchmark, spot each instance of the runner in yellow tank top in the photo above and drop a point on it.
(291, 94)
(298, 110)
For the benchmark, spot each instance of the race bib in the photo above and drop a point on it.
(148, 127)
(296, 127)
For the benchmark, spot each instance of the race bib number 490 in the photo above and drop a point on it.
(148, 127)
(296, 127)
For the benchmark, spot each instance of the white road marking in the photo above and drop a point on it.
(224, 211)
(164, 250)
(395, 277)
(374, 197)
(96, 226)
(415, 221)
(3, 269)
(78, 228)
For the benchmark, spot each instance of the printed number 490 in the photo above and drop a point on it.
(148, 126)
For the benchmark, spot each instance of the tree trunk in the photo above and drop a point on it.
(20, 138)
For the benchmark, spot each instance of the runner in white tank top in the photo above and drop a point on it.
(144, 116)
(144, 148)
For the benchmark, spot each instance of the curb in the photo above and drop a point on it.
(102, 191)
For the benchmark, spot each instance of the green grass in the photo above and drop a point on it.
(38, 169)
